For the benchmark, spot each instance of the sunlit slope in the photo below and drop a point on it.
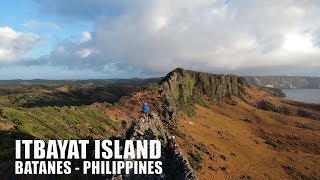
(237, 139)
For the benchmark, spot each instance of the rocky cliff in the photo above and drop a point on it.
(186, 88)
(285, 82)
(273, 91)
(236, 122)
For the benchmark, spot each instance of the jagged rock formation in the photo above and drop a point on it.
(186, 87)
(149, 128)
(274, 91)
(175, 164)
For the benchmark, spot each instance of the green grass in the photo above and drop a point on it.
(62, 122)
(201, 147)
(68, 122)
(41, 111)
(44, 109)
(42, 93)
(275, 145)
(178, 133)
(195, 160)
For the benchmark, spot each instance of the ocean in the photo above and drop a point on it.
(303, 95)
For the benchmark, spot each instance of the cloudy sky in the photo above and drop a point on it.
(83, 39)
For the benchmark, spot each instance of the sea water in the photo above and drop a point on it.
(303, 95)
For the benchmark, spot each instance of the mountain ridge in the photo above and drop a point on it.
(187, 87)
(224, 126)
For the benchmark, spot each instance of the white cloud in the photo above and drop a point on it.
(15, 45)
(83, 53)
(295, 11)
(85, 36)
(159, 35)
(210, 34)
(159, 23)
(299, 43)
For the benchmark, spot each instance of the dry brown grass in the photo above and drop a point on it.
(259, 149)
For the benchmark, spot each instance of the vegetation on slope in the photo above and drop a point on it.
(81, 122)
(58, 94)
(253, 140)
(188, 88)
(45, 110)
(238, 131)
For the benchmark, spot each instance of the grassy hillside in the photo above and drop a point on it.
(43, 93)
(61, 122)
(226, 128)
(81, 122)
(42, 109)
(234, 139)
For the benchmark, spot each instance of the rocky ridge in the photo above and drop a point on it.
(185, 88)
(175, 164)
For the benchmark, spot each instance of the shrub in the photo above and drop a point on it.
(305, 126)
(267, 106)
(275, 145)
(247, 119)
(195, 160)
(180, 134)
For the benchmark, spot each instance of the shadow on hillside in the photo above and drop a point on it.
(83, 96)
(305, 105)
(7, 149)
(7, 158)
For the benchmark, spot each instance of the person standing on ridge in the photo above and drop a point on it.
(146, 110)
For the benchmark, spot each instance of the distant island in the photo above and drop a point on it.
(285, 82)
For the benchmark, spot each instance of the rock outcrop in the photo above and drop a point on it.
(175, 164)
(273, 91)
(186, 87)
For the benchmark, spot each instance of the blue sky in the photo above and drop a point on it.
(83, 39)
(25, 16)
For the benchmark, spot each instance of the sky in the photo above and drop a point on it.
(101, 39)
